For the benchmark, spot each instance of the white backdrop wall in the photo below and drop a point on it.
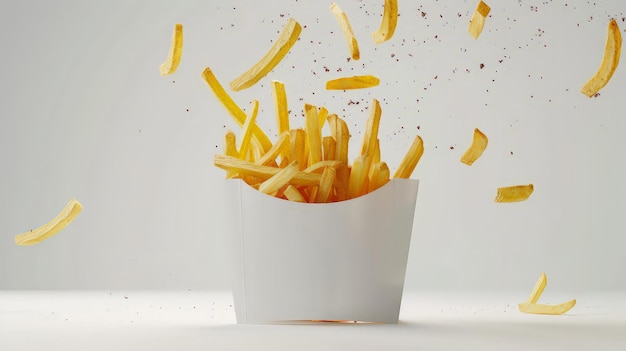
(86, 114)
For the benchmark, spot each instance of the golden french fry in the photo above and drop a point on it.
(378, 176)
(538, 288)
(346, 28)
(536, 308)
(243, 167)
(313, 134)
(293, 194)
(609, 63)
(280, 147)
(288, 37)
(60, 221)
(230, 149)
(479, 144)
(357, 185)
(175, 53)
(246, 130)
(235, 111)
(477, 23)
(354, 82)
(388, 25)
(316, 167)
(278, 180)
(371, 130)
(326, 185)
(514, 193)
(329, 147)
(342, 138)
(297, 150)
(410, 160)
(342, 179)
(280, 106)
(376, 156)
(322, 113)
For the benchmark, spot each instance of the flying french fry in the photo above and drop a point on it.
(514, 193)
(60, 221)
(175, 53)
(388, 25)
(609, 63)
(235, 111)
(410, 160)
(479, 144)
(243, 167)
(536, 308)
(354, 82)
(346, 28)
(278, 180)
(478, 19)
(288, 37)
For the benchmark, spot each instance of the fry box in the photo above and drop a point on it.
(302, 262)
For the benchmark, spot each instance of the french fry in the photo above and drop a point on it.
(410, 160)
(288, 37)
(278, 180)
(376, 155)
(514, 193)
(246, 130)
(322, 113)
(326, 185)
(297, 150)
(346, 28)
(371, 130)
(313, 134)
(538, 288)
(243, 167)
(479, 144)
(175, 52)
(477, 23)
(388, 25)
(321, 165)
(342, 179)
(342, 138)
(612, 52)
(230, 149)
(280, 106)
(378, 176)
(60, 221)
(536, 308)
(293, 194)
(329, 148)
(354, 82)
(280, 147)
(235, 111)
(358, 182)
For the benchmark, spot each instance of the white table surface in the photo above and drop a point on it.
(205, 320)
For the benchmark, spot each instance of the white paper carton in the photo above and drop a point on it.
(343, 261)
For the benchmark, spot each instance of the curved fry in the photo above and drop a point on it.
(277, 52)
(609, 63)
(176, 51)
(536, 308)
(60, 221)
(354, 82)
(538, 288)
(477, 23)
(388, 25)
(479, 144)
(514, 193)
(346, 28)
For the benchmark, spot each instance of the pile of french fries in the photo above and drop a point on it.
(303, 165)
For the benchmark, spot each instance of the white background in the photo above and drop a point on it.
(85, 114)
